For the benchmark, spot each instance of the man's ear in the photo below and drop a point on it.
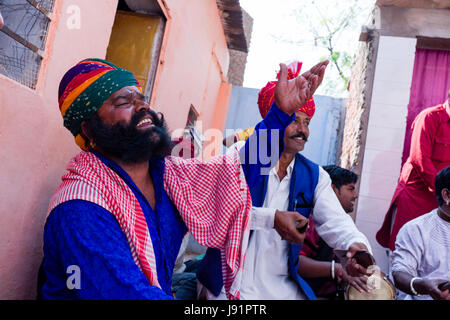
(335, 189)
(85, 132)
(445, 193)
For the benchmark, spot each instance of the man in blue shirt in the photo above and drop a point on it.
(86, 249)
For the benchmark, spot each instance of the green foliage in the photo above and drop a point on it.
(330, 27)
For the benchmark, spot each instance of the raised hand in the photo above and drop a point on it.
(292, 94)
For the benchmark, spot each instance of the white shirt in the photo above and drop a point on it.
(422, 249)
(266, 274)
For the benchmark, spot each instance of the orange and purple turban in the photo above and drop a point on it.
(267, 94)
(84, 89)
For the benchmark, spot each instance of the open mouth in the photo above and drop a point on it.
(145, 123)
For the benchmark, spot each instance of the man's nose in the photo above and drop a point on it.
(141, 105)
(302, 127)
(303, 130)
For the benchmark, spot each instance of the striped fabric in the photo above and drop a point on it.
(212, 197)
(214, 202)
(266, 95)
(91, 180)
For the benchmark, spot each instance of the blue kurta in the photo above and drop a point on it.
(82, 234)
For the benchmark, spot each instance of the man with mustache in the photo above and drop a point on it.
(115, 224)
(294, 184)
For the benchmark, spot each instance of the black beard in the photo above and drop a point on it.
(126, 142)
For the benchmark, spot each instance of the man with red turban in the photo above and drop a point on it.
(266, 98)
(294, 185)
(267, 94)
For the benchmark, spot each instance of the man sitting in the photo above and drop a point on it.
(296, 185)
(421, 259)
(317, 261)
(116, 222)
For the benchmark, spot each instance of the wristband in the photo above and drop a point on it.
(411, 287)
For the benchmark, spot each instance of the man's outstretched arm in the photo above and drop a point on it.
(263, 149)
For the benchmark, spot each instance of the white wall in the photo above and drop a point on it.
(385, 135)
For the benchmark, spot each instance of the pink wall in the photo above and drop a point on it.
(194, 54)
(35, 147)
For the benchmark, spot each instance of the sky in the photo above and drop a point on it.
(275, 20)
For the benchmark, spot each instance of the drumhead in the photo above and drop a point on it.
(382, 290)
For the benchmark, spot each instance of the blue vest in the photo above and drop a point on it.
(303, 183)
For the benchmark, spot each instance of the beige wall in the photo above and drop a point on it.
(377, 109)
(385, 134)
(35, 147)
(412, 22)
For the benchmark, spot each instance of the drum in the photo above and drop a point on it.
(381, 288)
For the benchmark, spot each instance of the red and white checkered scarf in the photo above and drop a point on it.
(212, 198)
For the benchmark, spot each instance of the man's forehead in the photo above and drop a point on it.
(350, 185)
(125, 91)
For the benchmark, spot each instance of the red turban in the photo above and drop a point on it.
(267, 94)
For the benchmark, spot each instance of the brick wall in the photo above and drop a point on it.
(238, 59)
(358, 104)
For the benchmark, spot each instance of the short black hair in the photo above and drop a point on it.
(340, 176)
(442, 181)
